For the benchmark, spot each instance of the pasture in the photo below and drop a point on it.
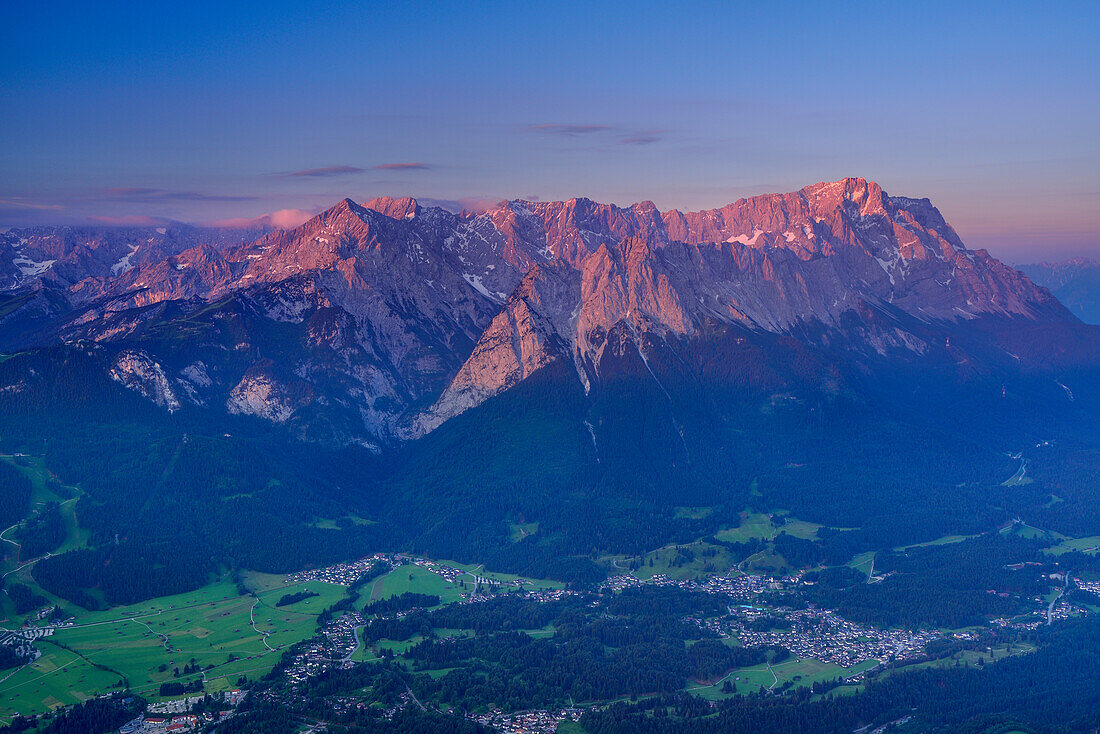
(799, 672)
(219, 632)
(765, 527)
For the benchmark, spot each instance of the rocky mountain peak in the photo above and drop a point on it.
(400, 208)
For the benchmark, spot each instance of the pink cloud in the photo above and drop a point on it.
(402, 167)
(281, 219)
(325, 171)
(18, 202)
(479, 205)
(289, 218)
(568, 129)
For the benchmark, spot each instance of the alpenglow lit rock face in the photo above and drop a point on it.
(399, 316)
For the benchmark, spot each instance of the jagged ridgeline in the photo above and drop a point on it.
(389, 375)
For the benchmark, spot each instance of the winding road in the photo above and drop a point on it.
(163, 637)
(776, 681)
(252, 620)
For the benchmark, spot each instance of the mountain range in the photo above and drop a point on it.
(377, 322)
(1076, 283)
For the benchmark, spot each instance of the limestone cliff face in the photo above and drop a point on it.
(139, 372)
(259, 395)
(523, 337)
(389, 304)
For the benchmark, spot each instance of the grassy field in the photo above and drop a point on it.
(692, 513)
(764, 527)
(862, 562)
(471, 569)
(419, 580)
(34, 469)
(800, 673)
(1033, 533)
(224, 634)
(416, 579)
(143, 643)
(1090, 545)
(708, 559)
(972, 657)
(1059, 543)
(59, 678)
(12, 566)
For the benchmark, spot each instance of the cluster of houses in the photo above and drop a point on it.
(824, 635)
(169, 717)
(1093, 587)
(343, 634)
(450, 574)
(22, 641)
(313, 658)
(807, 633)
(527, 722)
(739, 587)
(1062, 609)
(159, 724)
(544, 596)
(344, 574)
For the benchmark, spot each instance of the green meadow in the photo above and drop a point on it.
(1090, 545)
(35, 470)
(419, 580)
(764, 527)
(799, 672)
(144, 644)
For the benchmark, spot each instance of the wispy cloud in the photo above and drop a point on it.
(570, 130)
(334, 171)
(148, 195)
(18, 202)
(599, 134)
(644, 137)
(325, 172)
(402, 167)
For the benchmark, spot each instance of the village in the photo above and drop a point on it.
(527, 722)
(745, 586)
(173, 716)
(826, 636)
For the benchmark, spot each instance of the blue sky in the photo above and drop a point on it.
(199, 112)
